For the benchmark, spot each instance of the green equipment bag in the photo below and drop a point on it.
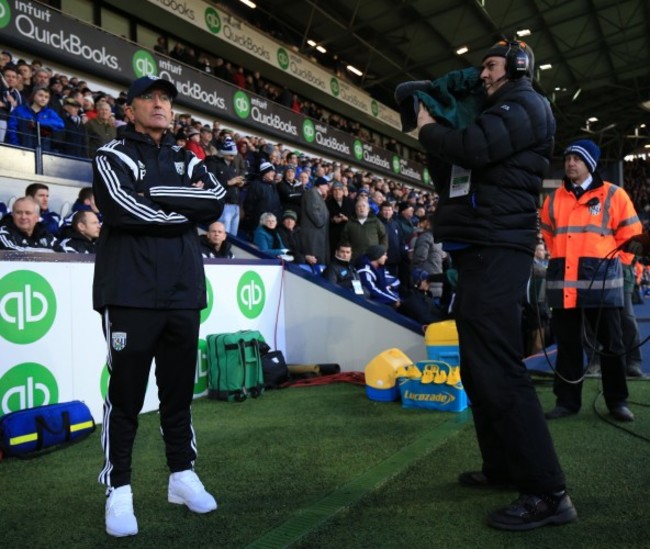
(235, 365)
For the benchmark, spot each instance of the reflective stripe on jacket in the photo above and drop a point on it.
(582, 236)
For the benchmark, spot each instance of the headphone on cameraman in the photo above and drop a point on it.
(518, 63)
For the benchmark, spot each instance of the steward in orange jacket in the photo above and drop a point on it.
(579, 233)
(584, 222)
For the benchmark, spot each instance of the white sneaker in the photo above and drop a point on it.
(120, 519)
(185, 488)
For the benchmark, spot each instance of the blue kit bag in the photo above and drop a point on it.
(32, 430)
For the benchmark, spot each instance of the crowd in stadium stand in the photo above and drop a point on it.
(637, 185)
(21, 82)
(279, 191)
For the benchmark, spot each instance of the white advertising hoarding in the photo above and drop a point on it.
(237, 33)
(52, 348)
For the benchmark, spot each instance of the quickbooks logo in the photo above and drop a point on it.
(395, 162)
(242, 104)
(144, 64)
(27, 307)
(212, 20)
(179, 7)
(374, 108)
(283, 59)
(205, 313)
(308, 130)
(27, 385)
(5, 14)
(335, 87)
(34, 24)
(251, 294)
(358, 149)
(426, 177)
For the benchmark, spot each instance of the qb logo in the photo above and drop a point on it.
(5, 14)
(26, 386)
(27, 307)
(242, 104)
(251, 294)
(144, 64)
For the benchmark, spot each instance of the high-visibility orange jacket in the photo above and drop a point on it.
(582, 236)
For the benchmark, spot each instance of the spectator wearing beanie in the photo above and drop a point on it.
(381, 285)
(261, 197)
(419, 304)
(223, 167)
(291, 235)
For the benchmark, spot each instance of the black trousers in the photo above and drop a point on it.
(631, 335)
(512, 434)
(134, 337)
(568, 328)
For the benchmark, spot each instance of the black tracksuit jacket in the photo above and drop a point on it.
(148, 251)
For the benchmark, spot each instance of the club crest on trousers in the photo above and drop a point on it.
(118, 340)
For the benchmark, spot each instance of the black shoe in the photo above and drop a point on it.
(530, 512)
(634, 371)
(621, 413)
(559, 412)
(477, 479)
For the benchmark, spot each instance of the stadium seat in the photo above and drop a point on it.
(65, 209)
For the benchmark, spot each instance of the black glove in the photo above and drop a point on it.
(638, 245)
(408, 102)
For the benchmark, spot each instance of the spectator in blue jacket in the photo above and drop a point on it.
(381, 285)
(29, 123)
(266, 236)
(85, 202)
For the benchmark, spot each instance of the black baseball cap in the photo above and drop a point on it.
(145, 83)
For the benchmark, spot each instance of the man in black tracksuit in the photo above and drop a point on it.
(22, 231)
(149, 286)
(489, 176)
(83, 234)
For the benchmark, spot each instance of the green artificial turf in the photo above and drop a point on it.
(272, 461)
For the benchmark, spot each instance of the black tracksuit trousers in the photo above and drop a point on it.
(568, 328)
(512, 434)
(134, 337)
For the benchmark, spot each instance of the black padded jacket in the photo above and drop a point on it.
(508, 149)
